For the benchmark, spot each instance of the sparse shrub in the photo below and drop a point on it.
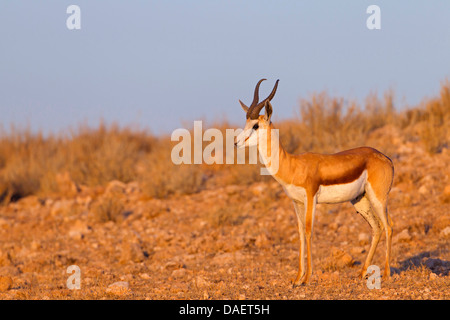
(30, 163)
(98, 156)
(225, 215)
(434, 130)
(329, 124)
(160, 177)
(429, 122)
(107, 208)
(26, 159)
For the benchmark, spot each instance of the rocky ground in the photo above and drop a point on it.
(235, 242)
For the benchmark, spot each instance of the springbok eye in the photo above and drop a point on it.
(256, 126)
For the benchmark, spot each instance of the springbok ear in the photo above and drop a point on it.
(244, 107)
(268, 108)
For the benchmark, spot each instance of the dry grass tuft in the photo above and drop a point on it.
(108, 208)
(160, 177)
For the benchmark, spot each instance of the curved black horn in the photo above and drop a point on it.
(256, 94)
(253, 112)
(255, 98)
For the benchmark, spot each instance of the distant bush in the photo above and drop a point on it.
(435, 130)
(160, 178)
(329, 124)
(30, 163)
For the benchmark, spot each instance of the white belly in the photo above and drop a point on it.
(295, 192)
(330, 194)
(342, 192)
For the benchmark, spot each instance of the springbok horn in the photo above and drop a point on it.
(255, 98)
(253, 112)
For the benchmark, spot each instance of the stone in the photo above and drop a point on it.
(144, 276)
(363, 239)
(261, 240)
(357, 250)
(423, 190)
(258, 189)
(131, 252)
(78, 230)
(445, 197)
(403, 236)
(173, 265)
(445, 233)
(179, 273)
(116, 187)
(341, 258)
(227, 258)
(200, 282)
(5, 283)
(119, 288)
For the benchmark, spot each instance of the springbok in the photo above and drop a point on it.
(362, 176)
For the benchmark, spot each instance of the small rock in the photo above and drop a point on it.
(201, 282)
(445, 233)
(363, 239)
(261, 240)
(433, 276)
(341, 258)
(179, 273)
(403, 236)
(119, 288)
(173, 265)
(79, 230)
(144, 276)
(35, 245)
(61, 208)
(258, 189)
(357, 250)
(121, 284)
(445, 197)
(227, 258)
(116, 186)
(131, 252)
(5, 283)
(423, 190)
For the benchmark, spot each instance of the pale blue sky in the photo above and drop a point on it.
(163, 64)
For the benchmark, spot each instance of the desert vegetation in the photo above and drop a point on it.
(110, 200)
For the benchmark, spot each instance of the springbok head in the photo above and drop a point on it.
(249, 136)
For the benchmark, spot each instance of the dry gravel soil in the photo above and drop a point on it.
(236, 242)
